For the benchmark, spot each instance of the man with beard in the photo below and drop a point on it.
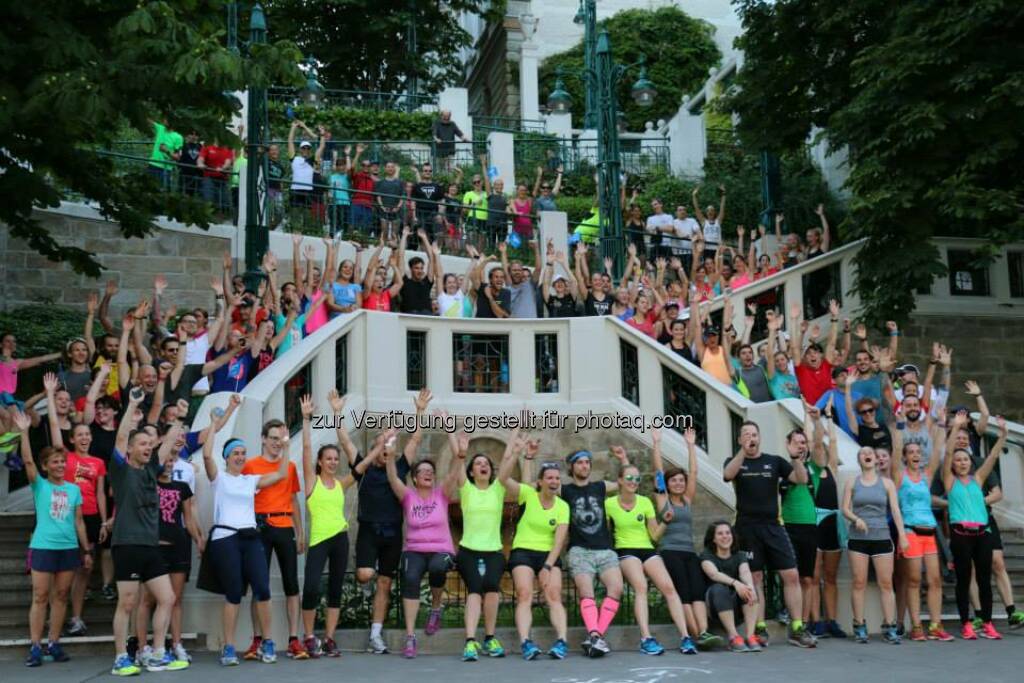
(590, 547)
(524, 285)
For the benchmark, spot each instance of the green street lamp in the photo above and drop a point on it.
(313, 92)
(257, 236)
(586, 14)
(643, 90)
(559, 100)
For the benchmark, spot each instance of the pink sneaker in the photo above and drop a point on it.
(989, 631)
(967, 632)
(433, 622)
(409, 651)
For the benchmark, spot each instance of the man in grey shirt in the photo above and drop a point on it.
(753, 376)
(524, 286)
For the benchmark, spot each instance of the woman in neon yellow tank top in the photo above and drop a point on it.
(328, 528)
(968, 540)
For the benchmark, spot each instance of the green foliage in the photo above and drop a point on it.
(927, 98)
(679, 52)
(364, 44)
(44, 328)
(75, 71)
(354, 124)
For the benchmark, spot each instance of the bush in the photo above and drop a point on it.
(347, 123)
(43, 328)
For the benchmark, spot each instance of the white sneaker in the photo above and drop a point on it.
(180, 653)
(377, 645)
(143, 656)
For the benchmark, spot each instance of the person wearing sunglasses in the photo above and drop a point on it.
(544, 193)
(862, 416)
(635, 524)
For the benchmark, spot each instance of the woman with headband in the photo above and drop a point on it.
(541, 534)
(235, 549)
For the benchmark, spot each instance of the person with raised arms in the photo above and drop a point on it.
(540, 536)
(235, 548)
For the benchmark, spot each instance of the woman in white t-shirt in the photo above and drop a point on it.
(710, 221)
(235, 549)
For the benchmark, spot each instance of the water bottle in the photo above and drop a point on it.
(481, 566)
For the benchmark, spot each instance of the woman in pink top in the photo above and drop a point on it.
(522, 207)
(9, 366)
(428, 539)
(741, 277)
(377, 296)
(645, 315)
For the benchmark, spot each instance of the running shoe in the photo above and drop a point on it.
(433, 622)
(181, 653)
(834, 630)
(753, 644)
(76, 627)
(890, 634)
(599, 647)
(133, 648)
(530, 651)
(165, 662)
(57, 653)
(917, 634)
(651, 646)
(329, 648)
(35, 656)
(124, 666)
(988, 630)
(409, 651)
(109, 594)
(253, 653)
(709, 641)
(801, 637)
(493, 647)
(900, 630)
(737, 645)
(977, 623)
(687, 646)
(376, 645)
(312, 646)
(782, 616)
(936, 632)
(268, 654)
(818, 629)
(587, 645)
(471, 652)
(1015, 620)
(860, 632)
(295, 650)
(967, 632)
(559, 650)
(142, 656)
(761, 633)
(228, 656)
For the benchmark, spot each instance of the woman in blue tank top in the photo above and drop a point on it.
(969, 542)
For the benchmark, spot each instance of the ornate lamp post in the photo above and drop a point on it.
(257, 238)
(587, 16)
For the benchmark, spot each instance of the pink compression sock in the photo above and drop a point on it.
(609, 606)
(588, 610)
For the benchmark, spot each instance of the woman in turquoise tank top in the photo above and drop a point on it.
(328, 529)
(969, 542)
(915, 496)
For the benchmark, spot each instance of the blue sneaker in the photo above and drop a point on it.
(560, 650)
(650, 646)
(124, 666)
(165, 662)
(860, 632)
(687, 646)
(530, 650)
(35, 656)
(471, 652)
(267, 653)
(228, 656)
(57, 653)
(834, 630)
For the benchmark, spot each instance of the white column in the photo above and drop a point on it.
(501, 154)
(554, 226)
(456, 100)
(687, 144)
(559, 123)
(529, 91)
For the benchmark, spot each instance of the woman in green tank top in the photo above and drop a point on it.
(328, 529)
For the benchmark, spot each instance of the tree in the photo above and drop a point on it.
(927, 97)
(75, 73)
(679, 52)
(363, 44)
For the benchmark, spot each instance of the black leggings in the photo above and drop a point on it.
(468, 563)
(238, 561)
(334, 553)
(415, 564)
(967, 548)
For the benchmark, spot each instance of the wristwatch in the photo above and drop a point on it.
(546, 566)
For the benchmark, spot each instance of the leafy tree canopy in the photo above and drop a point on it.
(364, 44)
(77, 72)
(928, 98)
(679, 52)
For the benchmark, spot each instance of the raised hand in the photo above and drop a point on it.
(820, 210)
(972, 388)
(945, 355)
(159, 284)
(691, 436)
(50, 382)
(217, 285)
(296, 239)
(795, 310)
(860, 331)
(235, 400)
(815, 331)
(306, 404)
(92, 302)
(741, 231)
(423, 399)
(532, 448)
(620, 453)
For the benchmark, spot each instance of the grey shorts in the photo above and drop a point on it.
(591, 562)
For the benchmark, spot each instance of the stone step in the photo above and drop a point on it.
(13, 648)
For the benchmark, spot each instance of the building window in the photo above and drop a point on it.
(481, 363)
(341, 364)
(630, 372)
(820, 286)
(682, 399)
(300, 384)
(415, 359)
(545, 347)
(966, 277)
(735, 425)
(1015, 263)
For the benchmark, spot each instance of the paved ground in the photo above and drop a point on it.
(834, 662)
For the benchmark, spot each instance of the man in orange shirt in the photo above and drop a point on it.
(279, 518)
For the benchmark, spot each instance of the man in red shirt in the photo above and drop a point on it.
(363, 182)
(216, 162)
(813, 372)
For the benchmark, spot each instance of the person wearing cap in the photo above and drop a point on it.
(713, 355)
(235, 550)
(304, 163)
(562, 302)
(838, 398)
(590, 547)
(813, 371)
(540, 536)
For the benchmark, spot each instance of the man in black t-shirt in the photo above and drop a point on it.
(756, 477)
(426, 194)
(189, 174)
(590, 547)
(416, 283)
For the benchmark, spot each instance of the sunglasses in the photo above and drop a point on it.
(545, 187)
(632, 478)
(866, 411)
(550, 466)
